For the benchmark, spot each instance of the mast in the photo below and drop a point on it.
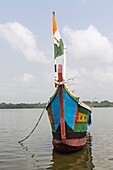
(64, 69)
(55, 68)
(59, 48)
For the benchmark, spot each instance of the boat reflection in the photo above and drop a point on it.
(81, 160)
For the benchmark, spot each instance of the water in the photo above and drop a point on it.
(37, 151)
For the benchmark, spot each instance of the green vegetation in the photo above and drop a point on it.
(3, 105)
(104, 103)
(21, 105)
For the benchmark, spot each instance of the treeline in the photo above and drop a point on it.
(4, 105)
(22, 105)
(104, 103)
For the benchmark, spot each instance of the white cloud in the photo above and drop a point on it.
(90, 59)
(22, 40)
(27, 77)
(89, 44)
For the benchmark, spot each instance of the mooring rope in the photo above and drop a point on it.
(33, 128)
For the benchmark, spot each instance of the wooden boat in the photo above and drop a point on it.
(69, 117)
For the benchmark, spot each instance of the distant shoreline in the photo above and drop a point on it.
(39, 105)
(22, 105)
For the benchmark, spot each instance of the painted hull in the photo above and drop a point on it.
(69, 145)
(69, 120)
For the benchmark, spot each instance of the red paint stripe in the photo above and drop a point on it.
(51, 114)
(76, 116)
(71, 142)
(62, 121)
(51, 117)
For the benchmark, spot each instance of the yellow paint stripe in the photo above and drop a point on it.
(68, 91)
(82, 117)
(54, 23)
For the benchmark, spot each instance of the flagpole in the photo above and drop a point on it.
(65, 71)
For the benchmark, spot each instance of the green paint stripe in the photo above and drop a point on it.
(80, 127)
(82, 110)
(48, 109)
(53, 128)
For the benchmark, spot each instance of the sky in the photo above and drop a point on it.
(26, 48)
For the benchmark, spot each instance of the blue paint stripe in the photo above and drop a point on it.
(70, 106)
(89, 119)
(56, 110)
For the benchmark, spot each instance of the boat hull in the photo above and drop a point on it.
(69, 120)
(74, 141)
(69, 145)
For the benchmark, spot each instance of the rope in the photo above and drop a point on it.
(33, 128)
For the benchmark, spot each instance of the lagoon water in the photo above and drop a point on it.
(37, 151)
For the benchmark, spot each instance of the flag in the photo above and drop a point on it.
(58, 43)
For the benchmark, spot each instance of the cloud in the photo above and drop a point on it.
(90, 59)
(89, 44)
(23, 40)
(27, 77)
(24, 79)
